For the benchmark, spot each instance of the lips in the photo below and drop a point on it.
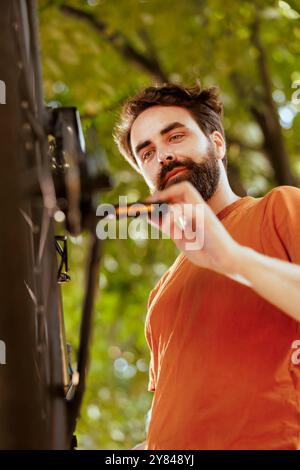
(174, 172)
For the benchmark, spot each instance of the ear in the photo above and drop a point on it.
(219, 144)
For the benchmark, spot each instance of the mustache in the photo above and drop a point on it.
(189, 164)
(170, 167)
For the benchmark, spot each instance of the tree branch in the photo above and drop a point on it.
(120, 43)
(267, 116)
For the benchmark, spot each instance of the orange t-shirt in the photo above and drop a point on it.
(221, 365)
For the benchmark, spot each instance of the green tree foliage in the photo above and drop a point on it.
(95, 54)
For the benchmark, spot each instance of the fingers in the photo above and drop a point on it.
(180, 192)
(167, 222)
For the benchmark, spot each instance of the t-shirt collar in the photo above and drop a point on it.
(233, 206)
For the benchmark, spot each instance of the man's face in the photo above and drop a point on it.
(169, 147)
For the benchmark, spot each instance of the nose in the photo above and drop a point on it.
(165, 157)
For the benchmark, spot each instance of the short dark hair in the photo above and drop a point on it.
(204, 105)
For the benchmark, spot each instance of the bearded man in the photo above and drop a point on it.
(220, 368)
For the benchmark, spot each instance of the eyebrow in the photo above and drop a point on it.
(165, 130)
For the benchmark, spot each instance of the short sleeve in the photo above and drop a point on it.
(282, 221)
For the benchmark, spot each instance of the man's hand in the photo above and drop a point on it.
(190, 215)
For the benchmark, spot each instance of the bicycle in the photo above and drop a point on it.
(44, 171)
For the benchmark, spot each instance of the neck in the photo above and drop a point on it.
(223, 196)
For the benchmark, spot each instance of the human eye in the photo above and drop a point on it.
(146, 155)
(176, 137)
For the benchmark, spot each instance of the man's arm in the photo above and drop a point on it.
(275, 280)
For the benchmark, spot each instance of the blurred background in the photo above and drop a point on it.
(96, 53)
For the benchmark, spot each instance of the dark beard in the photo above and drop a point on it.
(204, 176)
